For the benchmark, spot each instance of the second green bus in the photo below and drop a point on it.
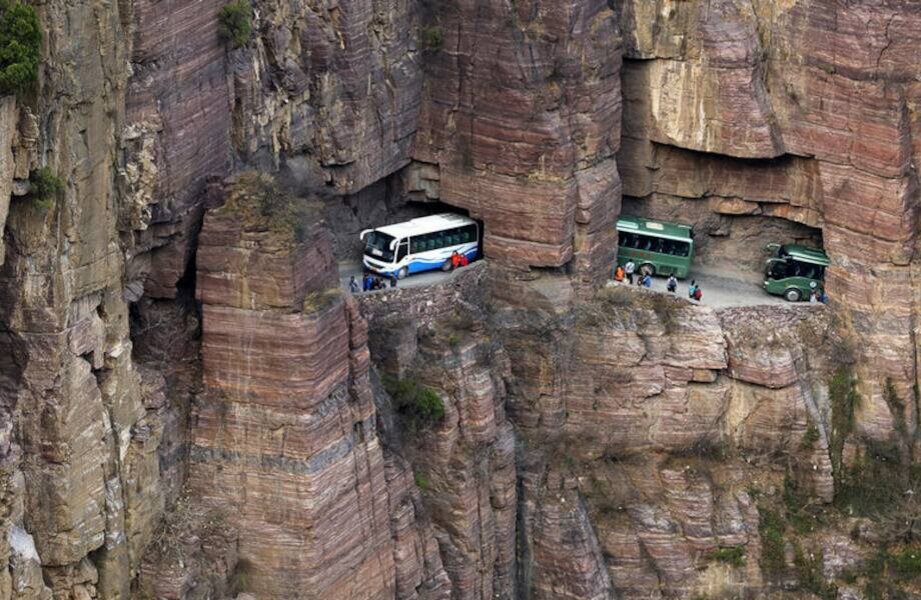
(655, 247)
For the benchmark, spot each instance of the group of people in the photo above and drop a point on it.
(628, 273)
(816, 296)
(371, 282)
(458, 260)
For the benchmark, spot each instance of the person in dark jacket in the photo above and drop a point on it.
(672, 284)
(368, 282)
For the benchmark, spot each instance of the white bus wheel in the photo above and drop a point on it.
(402, 273)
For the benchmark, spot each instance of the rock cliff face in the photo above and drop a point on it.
(821, 98)
(189, 408)
(522, 116)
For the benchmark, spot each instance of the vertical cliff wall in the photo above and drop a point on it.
(591, 446)
(522, 117)
(81, 488)
(795, 111)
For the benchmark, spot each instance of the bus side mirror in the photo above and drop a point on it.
(364, 233)
(772, 248)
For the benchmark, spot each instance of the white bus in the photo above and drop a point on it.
(419, 245)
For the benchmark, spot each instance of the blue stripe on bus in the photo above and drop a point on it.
(420, 265)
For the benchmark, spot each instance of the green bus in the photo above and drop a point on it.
(794, 271)
(655, 247)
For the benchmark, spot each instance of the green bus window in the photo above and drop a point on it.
(682, 249)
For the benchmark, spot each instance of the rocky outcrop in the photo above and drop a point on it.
(463, 459)
(177, 134)
(330, 91)
(521, 114)
(82, 488)
(297, 415)
(646, 422)
(590, 447)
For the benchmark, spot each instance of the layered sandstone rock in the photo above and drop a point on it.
(826, 88)
(330, 91)
(647, 421)
(288, 402)
(83, 492)
(522, 113)
(177, 134)
(464, 461)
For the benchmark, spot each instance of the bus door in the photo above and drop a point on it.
(402, 250)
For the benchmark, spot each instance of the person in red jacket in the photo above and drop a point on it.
(455, 259)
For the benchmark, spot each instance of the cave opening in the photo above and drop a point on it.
(733, 245)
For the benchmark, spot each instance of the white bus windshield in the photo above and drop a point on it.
(377, 245)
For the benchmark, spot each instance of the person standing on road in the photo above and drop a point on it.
(647, 280)
(672, 284)
(813, 297)
(353, 285)
(629, 268)
(692, 288)
(368, 283)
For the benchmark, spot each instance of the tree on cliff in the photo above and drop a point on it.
(235, 23)
(20, 45)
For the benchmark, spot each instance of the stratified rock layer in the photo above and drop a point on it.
(822, 92)
(284, 437)
(522, 115)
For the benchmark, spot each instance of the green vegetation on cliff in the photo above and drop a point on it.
(258, 201)
(419, 404)
(235, 23)
(844, 398)
(44, 187)
(432, 38)
(20, 46)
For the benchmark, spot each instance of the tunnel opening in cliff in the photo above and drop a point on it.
(725, 242)
(736, 205)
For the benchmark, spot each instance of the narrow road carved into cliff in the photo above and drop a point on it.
(349, 268)
(721, 290)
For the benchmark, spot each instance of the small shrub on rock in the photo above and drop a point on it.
(20, 46)
(235, 23)
(734, 556)
(432, 38)
(44, 187)
(419, 404)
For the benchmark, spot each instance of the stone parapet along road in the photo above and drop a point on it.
(721, 288)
